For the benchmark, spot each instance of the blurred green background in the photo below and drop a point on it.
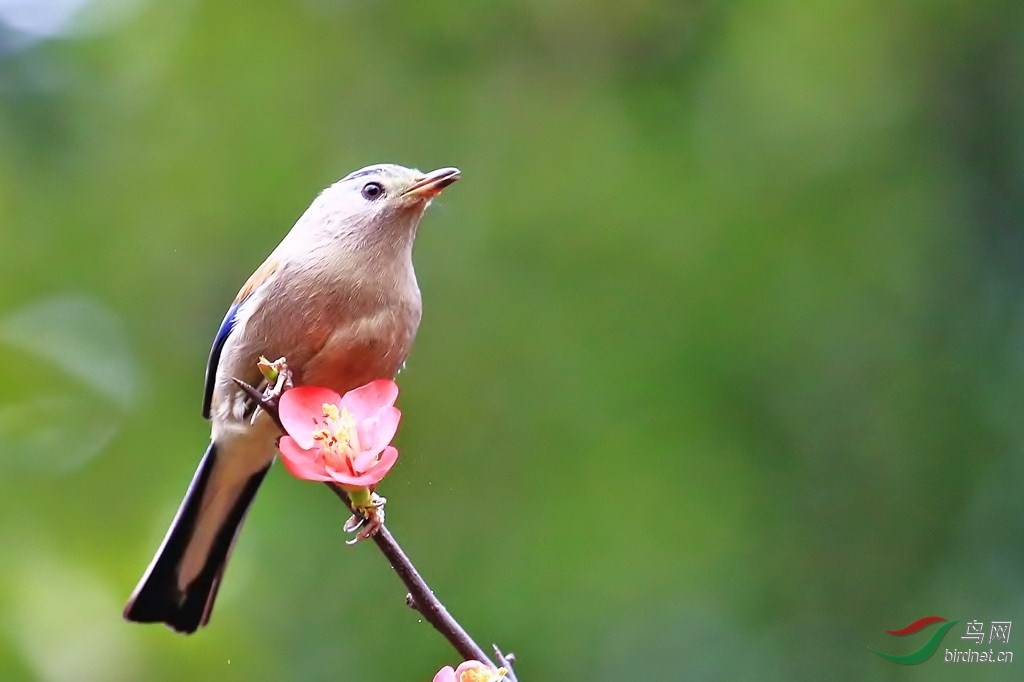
(721, 371)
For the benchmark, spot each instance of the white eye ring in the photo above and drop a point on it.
(372, 191)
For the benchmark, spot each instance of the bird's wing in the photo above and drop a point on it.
(258, 279)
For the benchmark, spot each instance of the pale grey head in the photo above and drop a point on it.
(383, 201)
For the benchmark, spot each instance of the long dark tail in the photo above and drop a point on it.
(159, 598)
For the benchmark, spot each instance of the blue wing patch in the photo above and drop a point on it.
(218, 345)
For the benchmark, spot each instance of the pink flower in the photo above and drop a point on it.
(345, 439)
(470, 671)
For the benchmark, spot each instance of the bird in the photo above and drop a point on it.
(338, 299)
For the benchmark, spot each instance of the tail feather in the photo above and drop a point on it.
(159, 598)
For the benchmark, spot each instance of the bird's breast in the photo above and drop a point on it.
(366, 347)
(339, 337)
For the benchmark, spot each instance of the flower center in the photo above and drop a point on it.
(483, 674)
(339, 438)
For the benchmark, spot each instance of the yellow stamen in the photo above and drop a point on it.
(483, 674)
(339, 438)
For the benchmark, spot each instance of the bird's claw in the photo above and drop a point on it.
(276, 375)
(366, 521)
(277, 379)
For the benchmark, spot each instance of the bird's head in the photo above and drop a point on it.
(382, 201)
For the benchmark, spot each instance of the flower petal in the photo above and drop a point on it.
(370, 477)
(364, 461)
(445, 674)
(365, 401)
(300, 462)
(346, 479)
(476, 670)
(376, 432)
(302, 408)
(383, 466)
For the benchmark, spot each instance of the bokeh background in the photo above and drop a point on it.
(721, 372)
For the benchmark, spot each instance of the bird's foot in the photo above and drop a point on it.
(277, 379)
(367, 519)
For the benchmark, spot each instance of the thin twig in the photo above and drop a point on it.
(267, 404)
(423, 599)
(420, 595)
(506, 660)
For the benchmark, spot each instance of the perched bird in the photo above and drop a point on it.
(338, 299)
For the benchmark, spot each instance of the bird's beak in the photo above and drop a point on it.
(431, 184)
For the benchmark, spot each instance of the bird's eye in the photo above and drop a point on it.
(373, 190)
